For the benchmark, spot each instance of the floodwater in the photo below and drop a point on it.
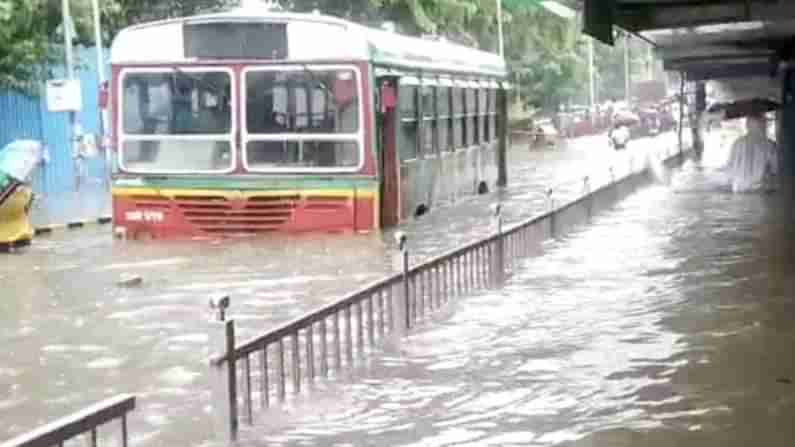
(667, 322)
(71, 336)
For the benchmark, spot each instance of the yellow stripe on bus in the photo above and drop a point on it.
(127, 192)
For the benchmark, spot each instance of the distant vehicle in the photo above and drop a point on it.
(254, 121)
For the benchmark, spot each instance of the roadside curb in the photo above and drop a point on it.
(73, 225)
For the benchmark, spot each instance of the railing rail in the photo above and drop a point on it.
(86, 421)
(336, 336)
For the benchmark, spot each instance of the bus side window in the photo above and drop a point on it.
(458, 117)
(482, 116)
(409, 124)
(428, 145)
(492, 114)
(471, 120)
(443, 123)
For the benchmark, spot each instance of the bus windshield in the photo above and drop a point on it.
(176, 103)
(302, 117)
(302, 101)
(176, 121)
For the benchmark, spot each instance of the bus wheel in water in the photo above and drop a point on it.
(483, 188)
(421, 209)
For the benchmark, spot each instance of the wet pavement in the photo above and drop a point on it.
(73, 336)
(91, 202)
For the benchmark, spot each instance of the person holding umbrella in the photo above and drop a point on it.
(753, 163)
(18, 160)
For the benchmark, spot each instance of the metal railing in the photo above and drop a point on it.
(84, 422)
(291, 357)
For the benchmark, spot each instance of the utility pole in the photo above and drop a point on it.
(70, 76)
(103, 111)
(100, 58)
(627, 93)
(591, 80)
(499, 28)
(651, 62)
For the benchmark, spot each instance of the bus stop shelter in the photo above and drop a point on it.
(747, 43)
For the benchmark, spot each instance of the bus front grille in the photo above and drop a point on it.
(327, 203)
(257, 214)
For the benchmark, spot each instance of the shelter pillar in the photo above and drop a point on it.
(786, 125)
(700, 108)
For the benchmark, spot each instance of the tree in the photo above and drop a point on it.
(31, 38)
(545, 56)
(542, 50)
(24, 44)
(119, 14)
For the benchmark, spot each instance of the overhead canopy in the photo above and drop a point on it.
(705, 39)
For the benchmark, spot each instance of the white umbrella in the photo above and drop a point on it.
(19, 158)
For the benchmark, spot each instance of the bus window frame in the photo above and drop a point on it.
(471, 102)
(492, 97)
(458, 94)
(483, 102)
(447, 118)
(428, 119)
(416, 85)
(357, 137)
(123, 137)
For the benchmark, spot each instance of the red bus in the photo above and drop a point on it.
(254, 121)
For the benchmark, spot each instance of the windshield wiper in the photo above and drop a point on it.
(215, 89)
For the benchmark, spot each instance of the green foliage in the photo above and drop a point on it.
(24, 44)
(545, 53)
(119, 14)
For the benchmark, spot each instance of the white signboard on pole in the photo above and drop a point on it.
(63, 95)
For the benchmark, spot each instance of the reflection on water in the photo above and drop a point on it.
(71, 336)
(668, 322)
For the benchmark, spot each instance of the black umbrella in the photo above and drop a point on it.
(744, 107)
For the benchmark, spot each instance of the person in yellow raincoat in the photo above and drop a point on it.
(18, 160)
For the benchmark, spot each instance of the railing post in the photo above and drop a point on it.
(223, 374)
(499, 271)
(401, 239)
(551, 203)
(586, 187)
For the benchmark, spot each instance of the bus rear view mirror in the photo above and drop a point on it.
(388, 97)
(344, 90)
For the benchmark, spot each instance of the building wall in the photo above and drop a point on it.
(26, 117)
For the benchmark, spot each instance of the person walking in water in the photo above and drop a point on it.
(753, 162)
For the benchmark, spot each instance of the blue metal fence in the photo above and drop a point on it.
(24, 116)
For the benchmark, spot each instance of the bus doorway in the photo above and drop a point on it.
(390, 163)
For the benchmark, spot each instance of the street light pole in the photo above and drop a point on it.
(591, 81)
(103, 111)
(626, 69)
(70, 75)
(67, 37)
(98, 42)
(499, 28)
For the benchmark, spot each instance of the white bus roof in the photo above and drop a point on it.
(311, 38)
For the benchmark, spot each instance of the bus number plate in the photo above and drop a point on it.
(144, 216)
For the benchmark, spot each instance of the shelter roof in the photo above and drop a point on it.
(706, 39)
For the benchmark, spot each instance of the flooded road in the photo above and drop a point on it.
(71, 336)
(668, 322)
